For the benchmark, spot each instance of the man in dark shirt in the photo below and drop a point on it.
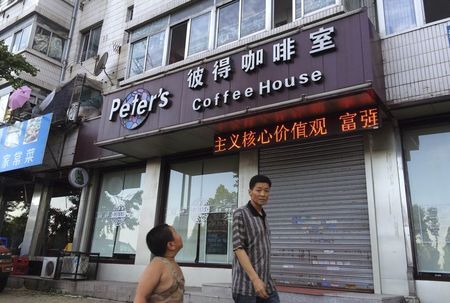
(252, 282)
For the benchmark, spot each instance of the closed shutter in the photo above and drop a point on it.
(318, 214)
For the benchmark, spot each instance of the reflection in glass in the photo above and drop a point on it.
(41, 40)
(199, 36)
(202, 195)
(155, 51)
(399, 15)
(298, 9)
(253, 16)
(116, 223)
(56, 47)
(228, 24)
(427, 153)
(314, 5)
(137, 57)
(61, 220)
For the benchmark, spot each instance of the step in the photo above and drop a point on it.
(200, 297)
(222, 291)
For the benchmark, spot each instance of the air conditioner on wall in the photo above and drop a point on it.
(49, 266)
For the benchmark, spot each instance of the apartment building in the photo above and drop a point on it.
(344, 104)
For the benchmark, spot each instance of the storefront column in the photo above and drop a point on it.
(385, 212)
(89, 198)
(151, 183)
(81, 216)
(248, 167)
(36, 220)
(2, 204)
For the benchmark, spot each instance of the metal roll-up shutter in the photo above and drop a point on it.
(318, 214)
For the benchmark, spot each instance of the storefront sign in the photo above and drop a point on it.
(23, 144)
(137, 105)
(341, 123)
(78, 177)
(300, 68)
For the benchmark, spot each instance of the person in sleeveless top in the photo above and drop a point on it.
(162, 280)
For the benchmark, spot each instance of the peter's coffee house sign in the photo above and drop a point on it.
(325, 58)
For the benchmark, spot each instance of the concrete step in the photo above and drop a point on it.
(200, 297)
(222, 291)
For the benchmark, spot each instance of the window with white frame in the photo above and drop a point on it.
(189, 37)
(21, 39)
(284, 11)
(147, 46)
(89, 43)
(48, 43)
(239, 19)
(8, 42)
(401, 15)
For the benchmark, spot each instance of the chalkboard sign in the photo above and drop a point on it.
(217, 234)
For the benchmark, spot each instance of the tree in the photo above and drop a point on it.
(13, 64)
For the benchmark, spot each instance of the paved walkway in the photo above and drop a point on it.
(23, 295)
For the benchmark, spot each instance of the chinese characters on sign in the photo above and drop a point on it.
(283, 52)
(319, 127)
(23, 144)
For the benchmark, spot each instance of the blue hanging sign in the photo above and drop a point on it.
(23, 144)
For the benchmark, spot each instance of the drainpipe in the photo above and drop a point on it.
(69, 40)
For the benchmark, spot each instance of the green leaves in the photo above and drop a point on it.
(11, 65)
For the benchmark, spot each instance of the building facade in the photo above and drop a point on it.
(344, 104)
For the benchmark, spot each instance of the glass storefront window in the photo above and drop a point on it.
(427, 156)
(202, 195)
(117, 218)
(61, 220)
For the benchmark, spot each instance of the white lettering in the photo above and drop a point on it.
(236, 95)
(263, 87)
(164, 99)
(124, 110)
(142, 107)
(207, 103)
(114, 107)
(304, 79)
(277, 85)
(316, 76)
(197, 104)
(248, 92)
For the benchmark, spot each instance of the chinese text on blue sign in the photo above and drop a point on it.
(23, 144)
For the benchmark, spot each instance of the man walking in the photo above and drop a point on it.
(252, 282)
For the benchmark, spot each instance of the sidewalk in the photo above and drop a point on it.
(23, 295)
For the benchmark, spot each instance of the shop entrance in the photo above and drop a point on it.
(318, 214)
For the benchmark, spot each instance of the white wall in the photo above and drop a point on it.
(433, 291)
(417, 63)
(386, 214)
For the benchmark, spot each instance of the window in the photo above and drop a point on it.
(399, 15)
(202, 195)
(282, 12)
(48, 43)
(89, 43)
(21, 39)
(406, 14)
(117, 218)
(147, 47)
(4, 108)
(177, 42)
(61, 220)
(199, 34)
(427, 157)
(8, 42)
(235, 22)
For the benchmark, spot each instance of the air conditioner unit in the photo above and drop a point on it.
(70, 270)
(49, 267)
